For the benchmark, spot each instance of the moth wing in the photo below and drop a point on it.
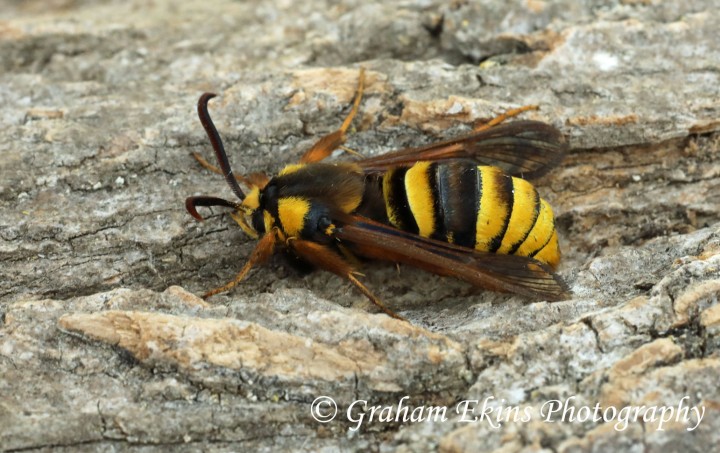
(505, 273)
(528, 149)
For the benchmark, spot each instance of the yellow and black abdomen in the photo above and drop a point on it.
(474, 206)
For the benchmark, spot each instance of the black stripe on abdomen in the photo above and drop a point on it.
(504, 195)
(396, 202)
(458, 196)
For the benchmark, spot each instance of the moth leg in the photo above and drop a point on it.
(500, 118)
(263, 251)
(253, 179)
(332, 141)
(207, 165)
(352, 151)
(349, 256)
(373, 298)
(326, 259)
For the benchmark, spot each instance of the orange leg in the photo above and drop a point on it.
(326, 259)
(263, 250)
(373, 298)
(500, 118)
(208, 166)
(352, 151)
(332, 141)
(253, 179)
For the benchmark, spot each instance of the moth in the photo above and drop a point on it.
(460, 207)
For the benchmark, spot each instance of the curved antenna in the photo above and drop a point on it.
(217, 144)
(192, 202)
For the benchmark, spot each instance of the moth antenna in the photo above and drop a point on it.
(217, 144)
(191, 204)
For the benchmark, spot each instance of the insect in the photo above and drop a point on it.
(444, 207)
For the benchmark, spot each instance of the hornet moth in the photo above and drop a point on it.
(446, 207)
